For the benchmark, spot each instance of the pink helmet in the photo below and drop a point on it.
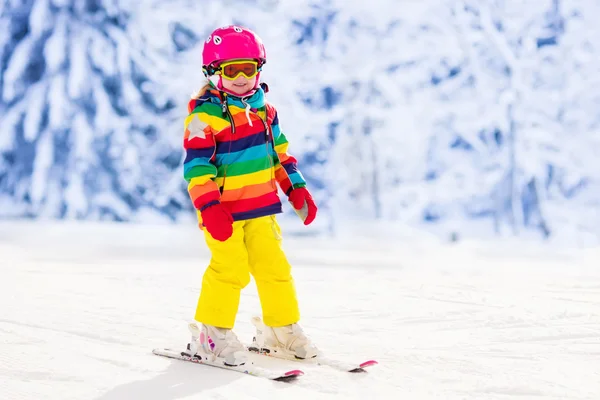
(232, 42)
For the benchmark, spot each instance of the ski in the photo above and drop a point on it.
(249, 369)
(319, 360)
(341, 365)
(345, 365)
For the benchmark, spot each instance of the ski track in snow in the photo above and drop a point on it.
(84, 305)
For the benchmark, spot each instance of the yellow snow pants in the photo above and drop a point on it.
(253, 248)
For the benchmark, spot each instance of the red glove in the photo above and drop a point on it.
(304, 204)
(217, 221)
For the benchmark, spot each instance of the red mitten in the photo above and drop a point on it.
(217, 221)
(304, 204)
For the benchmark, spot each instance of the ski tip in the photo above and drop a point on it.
(369, 363)
(290, 376)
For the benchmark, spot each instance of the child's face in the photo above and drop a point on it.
(240, 85)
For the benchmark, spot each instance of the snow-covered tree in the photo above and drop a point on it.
(453, 113)
(84, 109)
(520, 59)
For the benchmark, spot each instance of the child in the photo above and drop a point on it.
(236, 155)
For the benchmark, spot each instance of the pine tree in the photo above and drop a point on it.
(85, 111)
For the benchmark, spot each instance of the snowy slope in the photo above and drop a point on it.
(83, 305)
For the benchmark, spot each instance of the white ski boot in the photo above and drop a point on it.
(216, 343)
(288, 341)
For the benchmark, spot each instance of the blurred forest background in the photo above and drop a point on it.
(475, 117)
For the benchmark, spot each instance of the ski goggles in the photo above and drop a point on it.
(232, 69)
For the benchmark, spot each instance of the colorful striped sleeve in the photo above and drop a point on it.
(199, 169)
(286, 169)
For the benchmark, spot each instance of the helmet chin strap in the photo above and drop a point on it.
(217, 80)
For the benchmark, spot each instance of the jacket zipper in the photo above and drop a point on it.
(225, 108)
(267, 135)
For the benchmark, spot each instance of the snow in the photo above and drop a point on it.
(84, 304)
(12, 74)
(41, 169)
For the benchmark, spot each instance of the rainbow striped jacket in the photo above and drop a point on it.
(236, 154)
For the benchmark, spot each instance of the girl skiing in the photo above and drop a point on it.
(236, 155)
